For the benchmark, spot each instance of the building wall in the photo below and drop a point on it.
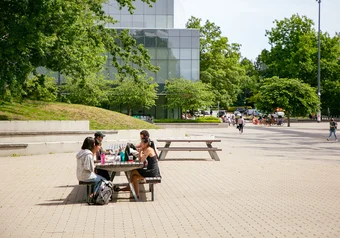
(161, 15)
(175, 51)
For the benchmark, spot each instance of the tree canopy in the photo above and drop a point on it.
(219, 61)
(186, 94)
(293, 54)
(294, 96)
(65, 36)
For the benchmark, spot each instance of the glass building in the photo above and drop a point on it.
(175, 51)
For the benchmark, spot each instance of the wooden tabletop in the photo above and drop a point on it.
(120, 166)
(183, 139)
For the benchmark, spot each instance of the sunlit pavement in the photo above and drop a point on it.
(270, 182)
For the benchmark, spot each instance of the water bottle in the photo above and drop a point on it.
(122, 155)
(102, 158)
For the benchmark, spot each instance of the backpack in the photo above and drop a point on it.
(103, 193)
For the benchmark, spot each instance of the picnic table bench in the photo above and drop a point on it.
(208, 142)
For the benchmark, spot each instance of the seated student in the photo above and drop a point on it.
(85, 162)
(146, 153)
(99, 136)
(134, 149)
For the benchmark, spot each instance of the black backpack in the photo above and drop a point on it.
(103, 193)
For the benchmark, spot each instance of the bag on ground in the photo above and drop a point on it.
(103, 192)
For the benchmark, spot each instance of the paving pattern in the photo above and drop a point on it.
(270, 182)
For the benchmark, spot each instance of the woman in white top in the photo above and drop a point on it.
(85, 162)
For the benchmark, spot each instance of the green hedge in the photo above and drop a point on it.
(198, 120)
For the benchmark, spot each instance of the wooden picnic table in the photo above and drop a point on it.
(208, 142)
(125, 167)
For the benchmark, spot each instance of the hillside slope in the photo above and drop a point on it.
(100, 119)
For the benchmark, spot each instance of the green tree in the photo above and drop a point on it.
(40, 88)
(293, 54)
(219, 61)
(186, 94)
(93, 90)
(295, 97)
(131, 93)
(65, 36)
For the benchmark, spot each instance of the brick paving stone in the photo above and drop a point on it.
(270, 182)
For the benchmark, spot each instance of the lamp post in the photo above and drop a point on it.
(319, 57)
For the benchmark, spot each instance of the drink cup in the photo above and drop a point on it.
(130, 158)
(102, 158)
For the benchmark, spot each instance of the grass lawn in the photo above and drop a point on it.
(100, 119)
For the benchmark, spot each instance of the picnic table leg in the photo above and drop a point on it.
(213, 154)
(131, 186)
(112, 177)
(164, 153)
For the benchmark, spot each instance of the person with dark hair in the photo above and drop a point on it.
(147, 155)
(134, 149)
(104, 173)
(85, 162)
(333, 125)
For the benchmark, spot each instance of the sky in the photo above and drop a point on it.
(245, 21)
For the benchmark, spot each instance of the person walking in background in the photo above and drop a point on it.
(240, 124)
(333, 125)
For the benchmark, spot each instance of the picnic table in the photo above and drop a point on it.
(125, 167)
(207, 140)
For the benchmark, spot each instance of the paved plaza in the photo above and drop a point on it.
(270, 182)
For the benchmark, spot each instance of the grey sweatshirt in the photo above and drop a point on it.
(85, 165)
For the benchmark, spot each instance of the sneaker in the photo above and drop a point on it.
(328, 139)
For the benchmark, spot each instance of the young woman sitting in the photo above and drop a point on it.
(148, 155)
(85, 162)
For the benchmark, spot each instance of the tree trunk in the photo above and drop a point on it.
(130, 111)
(288, 119)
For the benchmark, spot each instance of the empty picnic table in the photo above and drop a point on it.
(208, 141)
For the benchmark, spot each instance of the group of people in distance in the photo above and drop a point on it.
(91, 150)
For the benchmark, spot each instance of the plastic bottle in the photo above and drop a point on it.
(122, 155)
(102, 158)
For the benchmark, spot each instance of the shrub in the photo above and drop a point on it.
(198, 120)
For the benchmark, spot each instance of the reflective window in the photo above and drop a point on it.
(162, 33)
(171, 7)
(195, 54)
(138, 20)
(139, 5)
(185, 53)
(195, 42)
(185, 67)
(174, 69)
(174, 53)
(185, 42)
(174, 42)
(170, 22)
(152, 52)
(162, 74)
(150, 10)
(162, 42)
(185, 32)
(149, 21)
(126, 21)
(162, 53)
(195, 33)
(161, 21)
(150, 41)
(161, 7)
(195, 68)
(174, 32)
(139, 40)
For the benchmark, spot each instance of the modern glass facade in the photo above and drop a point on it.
(161, 15)
(175, 51)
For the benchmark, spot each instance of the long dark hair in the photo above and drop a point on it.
(145, 134)
(150, 144)
(88, 144)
